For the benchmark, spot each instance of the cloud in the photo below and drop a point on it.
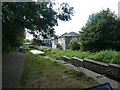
(84, 8)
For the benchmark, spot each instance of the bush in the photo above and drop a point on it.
(74, 45)
(101, 32)
(107, 56)
(59, 46)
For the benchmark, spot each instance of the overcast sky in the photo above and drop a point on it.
(83, 8)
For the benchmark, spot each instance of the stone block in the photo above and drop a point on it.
(67, 59)
(114, 72)
(77, 62)
(95, 66)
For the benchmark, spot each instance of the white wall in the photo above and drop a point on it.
(61, 41)
(54, 43)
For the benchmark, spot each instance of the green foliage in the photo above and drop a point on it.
(36, 17)
(56, 53)
(107, 56)
(74, 44)
(102, 31)
(37, 42)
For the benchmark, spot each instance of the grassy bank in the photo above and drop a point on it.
(107, 56)
(43, 73)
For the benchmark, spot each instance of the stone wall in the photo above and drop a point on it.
(97, 67)
(114, 72)
(109, 70)
(77, 62)
(67, 59)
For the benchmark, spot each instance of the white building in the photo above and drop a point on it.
(54, 43)
(64, 40)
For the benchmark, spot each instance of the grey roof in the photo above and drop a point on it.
(69, 34)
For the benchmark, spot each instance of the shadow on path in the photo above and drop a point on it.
(11, 70)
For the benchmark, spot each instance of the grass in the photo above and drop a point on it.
(70, 53)
(107, 56)
(44, 73)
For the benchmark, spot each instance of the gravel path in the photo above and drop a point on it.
(11, 70)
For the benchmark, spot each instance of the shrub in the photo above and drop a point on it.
(74, 45)
(107, 56)
(101, 32)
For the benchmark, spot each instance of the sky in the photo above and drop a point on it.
(82, 8)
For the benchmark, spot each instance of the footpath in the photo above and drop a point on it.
(11, 70)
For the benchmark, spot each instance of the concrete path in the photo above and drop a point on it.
(100, 78)
(11, 70)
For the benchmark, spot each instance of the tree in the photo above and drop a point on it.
(37, 17)
(102, 31)
(37, 42)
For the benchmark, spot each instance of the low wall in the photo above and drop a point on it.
(114, 72)
(109, 70)
(67, 59)
(77, 62)
(97, 67)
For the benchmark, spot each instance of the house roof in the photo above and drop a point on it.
(69, 34)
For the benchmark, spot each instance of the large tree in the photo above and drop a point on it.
(36, 17)
(102, 31)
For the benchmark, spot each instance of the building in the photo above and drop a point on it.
(47, 42)
(63, 41)
(54, 43)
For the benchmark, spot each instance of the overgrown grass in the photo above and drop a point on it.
(107, 56)
(70, 53)
(44, 73)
